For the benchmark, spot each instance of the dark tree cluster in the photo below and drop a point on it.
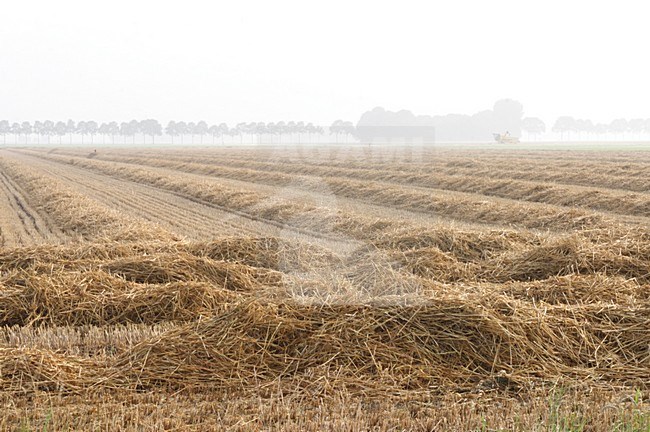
(382, 125)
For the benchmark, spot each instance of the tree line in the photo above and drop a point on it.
(617, 127)
(567, 125)
(178, 131)
(292, 131)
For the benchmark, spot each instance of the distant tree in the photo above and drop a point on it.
(152, 128)
(218, 131)
(81, 130)
(103, 131)
(342, 127)
(482, 127)
(280, 128)
(300, 129)
(26, 129)
(564, 124)
(38, 130)
(16, 130)
(92, 128)
(241, 129)
(309, 130)
(533, 126)
(214, 131)
(260, 129)
(124, 131)
(646, 127)
(5, 128)
(113, 129)
(129, 129)
(191, 129)
(619, 126)
(250, 129)
(142, 129)
(48, 129)
(601, 129)
(336, 128)
(232, 133)
(201, 129)
(271, 130)
(348, 129)
(134, 129)
(584, 126)
(223, 130)
(172, 130)
(70, 129)
(291, 129)
(182, 128)
(319, 130)
(637, 126)
(60, 130)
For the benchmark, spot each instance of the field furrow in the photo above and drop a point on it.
(617, 201)
(20, 223)
(190, 219)
(188, 215)
(622, 176)
(425, 204)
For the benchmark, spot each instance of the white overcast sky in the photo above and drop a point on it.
(318, 61)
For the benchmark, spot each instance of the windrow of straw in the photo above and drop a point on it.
(146, 282)
(405, 262)
(587, 197)
(154, 282)
(315, 219)
(76, 214)
(433, 201)
(271, 253)
(500, 257)
(99, 298)
(93, 283)
(448, 340)
(557, 168)
(577, 289)
(462, 341)
(29, 370)
(590, 169)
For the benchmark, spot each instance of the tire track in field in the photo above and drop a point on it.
(179, 215)
(20, 224)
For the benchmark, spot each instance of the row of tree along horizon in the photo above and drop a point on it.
(177, 131)
(377, 125)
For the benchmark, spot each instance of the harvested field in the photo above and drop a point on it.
(324, 289)
(20, 224)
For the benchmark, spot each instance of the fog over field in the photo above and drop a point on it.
(324, 216)
(255, 61)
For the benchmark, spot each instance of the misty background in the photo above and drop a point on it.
(577, 68)
(378, 126)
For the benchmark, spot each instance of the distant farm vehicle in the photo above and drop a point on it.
(505, 138)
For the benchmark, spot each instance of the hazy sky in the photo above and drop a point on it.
(319, 61)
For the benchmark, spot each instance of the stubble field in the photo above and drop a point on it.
(340, 288)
